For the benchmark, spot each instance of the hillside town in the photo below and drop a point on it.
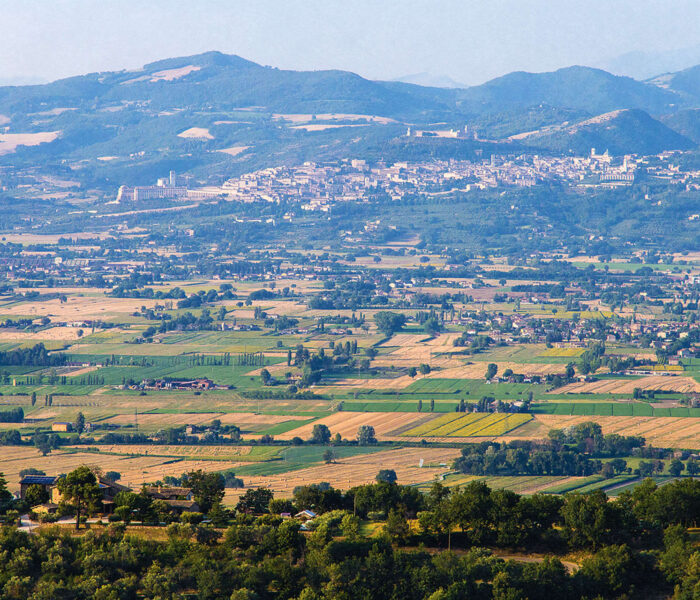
(318, 186)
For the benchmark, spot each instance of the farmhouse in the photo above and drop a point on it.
(305, 515)
(180, 499)
(47, 482)
(109, 490)
(169, 493)
(177, 384)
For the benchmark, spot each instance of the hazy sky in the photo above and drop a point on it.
(468, 40)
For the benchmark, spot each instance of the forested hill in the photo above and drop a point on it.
(218, 81)
(620, 132)
(216, 115)
(215, 80)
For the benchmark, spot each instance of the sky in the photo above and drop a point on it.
(470, 41)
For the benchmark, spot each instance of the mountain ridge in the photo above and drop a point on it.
(136, 118)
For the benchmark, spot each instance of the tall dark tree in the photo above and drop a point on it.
(80, 490)
(207, 488)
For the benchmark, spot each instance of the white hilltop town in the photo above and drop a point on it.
(317, 186)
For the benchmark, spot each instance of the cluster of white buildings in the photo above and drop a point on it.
(173, 187)
(317, 186)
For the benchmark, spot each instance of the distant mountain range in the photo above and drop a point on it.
(643, 65)
(216, 114)
(430, 80)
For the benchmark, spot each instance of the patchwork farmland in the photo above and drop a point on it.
(261, 379)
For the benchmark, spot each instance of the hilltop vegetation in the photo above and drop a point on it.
(619, 132)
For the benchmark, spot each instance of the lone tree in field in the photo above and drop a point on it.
(386, 476)
(320, 434)
(389, 322)
(365, 435)
(491, 370)
(328, 456)
(266, 377)
(432, 326)
(80, 423)
(80, 490)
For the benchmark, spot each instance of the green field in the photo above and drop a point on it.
(607, 409)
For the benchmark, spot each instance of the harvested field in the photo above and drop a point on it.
(660, 431)
(197, 133)
(171, 74)
(397, 383)
(443, 341)
(278, 370)
(81, 371)
(671, 383)
(10, 141)
(478, 370)
(347, 424)
(406, 357)
(519, 484)
(359, 470)
(66, 334)
(406, 339)
(52, 239)
(471, 371)
(134, 470)
(165, 420)
(322, 127)
(303, 118)
(79, 308)
(234, 150)
(198, 418)
(215, 453)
